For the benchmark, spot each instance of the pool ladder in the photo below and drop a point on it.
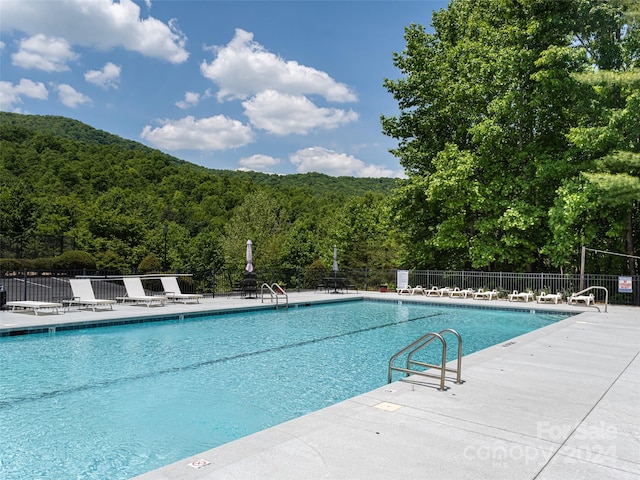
(275, 291)
(418, 345)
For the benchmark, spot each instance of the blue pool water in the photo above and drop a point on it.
(112, 403)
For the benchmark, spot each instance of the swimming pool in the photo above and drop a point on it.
(119, 401)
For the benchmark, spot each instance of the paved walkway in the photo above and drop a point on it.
(562, 402)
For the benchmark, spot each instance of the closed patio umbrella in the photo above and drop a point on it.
(249, 267)
(335, 258)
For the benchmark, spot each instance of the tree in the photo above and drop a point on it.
(486, 106)
(261, 219)
(362, 233)
(605, 199)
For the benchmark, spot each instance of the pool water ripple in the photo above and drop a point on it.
(54, 393)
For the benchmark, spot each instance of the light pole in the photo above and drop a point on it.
(164, 264)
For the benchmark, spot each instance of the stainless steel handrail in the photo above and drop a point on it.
(275, 291)
(419, 344)
(595, 287)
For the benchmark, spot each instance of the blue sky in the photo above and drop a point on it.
(273, 86)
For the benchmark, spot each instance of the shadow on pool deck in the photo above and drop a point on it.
(557, 403)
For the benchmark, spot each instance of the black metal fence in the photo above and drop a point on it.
(54, 286)
(14, 245)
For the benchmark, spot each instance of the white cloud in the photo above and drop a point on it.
(1, 45)
(103, 24)
(191, 99)
(319, 159)
(50, 54)
(108, 77)
(243, 68)
(70, 97)
(258, 162)
(11, 94)
(284, 114)
(376, 171)
(213, 133)
(336, 164)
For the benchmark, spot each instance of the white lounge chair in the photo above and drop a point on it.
(587, 299)
(433, 291)
(409, 290)
(550, 297)
(524, 296)
(136, 293)
(482, 294)
(34, 305)
(172, 291)
(464, 293)
(83, 295)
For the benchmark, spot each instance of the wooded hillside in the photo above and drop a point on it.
(115, 196)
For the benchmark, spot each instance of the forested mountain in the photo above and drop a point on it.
(59, 176)
(319, 183)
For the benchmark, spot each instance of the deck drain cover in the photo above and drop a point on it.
(389, 407)
(200, 463)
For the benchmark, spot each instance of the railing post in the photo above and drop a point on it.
(24, 277)
(583, 257)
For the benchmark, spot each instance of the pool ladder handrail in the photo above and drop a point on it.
(594, 287)
(419, 344)
(275, 291)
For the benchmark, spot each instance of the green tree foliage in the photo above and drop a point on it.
(75, 260)
(487, 103)
(262, 219)
(61, 177)
(150, 264)
(363, 234)
(604, 202)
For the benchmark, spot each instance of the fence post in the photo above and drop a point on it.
(582, 264)
(24, 277)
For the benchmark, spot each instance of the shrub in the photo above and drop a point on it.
(150, 264)
(9, 265)
(74, 260)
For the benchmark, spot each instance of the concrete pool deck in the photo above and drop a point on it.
(562, 402)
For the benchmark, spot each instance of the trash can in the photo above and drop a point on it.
(3, 297)
(383, 288)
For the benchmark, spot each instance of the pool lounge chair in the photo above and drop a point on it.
(83, 295)
(136, 293)
(524, 296)
(409, 290)
(34, 305)
(458, 293)
(550, 297)
(486, 294)
(432, 292)
(586, 299)
(172, 291)
(403, 288)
